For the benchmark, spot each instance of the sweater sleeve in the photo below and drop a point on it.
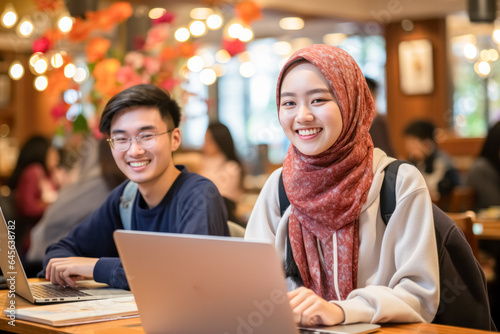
(265, 217)
(405, 286)
(202, 210)
(94, 238)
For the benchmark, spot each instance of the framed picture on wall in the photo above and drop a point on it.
(416, 72)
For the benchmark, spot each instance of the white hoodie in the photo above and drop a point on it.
(398, 271)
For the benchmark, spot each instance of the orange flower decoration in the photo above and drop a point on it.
(104, 73)
(168, 53)
(58, 82)
(96, 49)
(81, 30)
(53, 35)
(48, 5)
(106, 19)
(187, 50)
(248, 11)
(99, 20)
(120, 11)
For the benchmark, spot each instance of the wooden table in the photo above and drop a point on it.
(488, 229)
(133, 325)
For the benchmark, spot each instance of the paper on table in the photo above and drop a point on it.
(74, 313)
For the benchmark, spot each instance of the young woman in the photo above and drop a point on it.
(222, 166)
(352, 266)
(35, 182)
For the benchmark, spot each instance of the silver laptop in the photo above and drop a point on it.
(212, 285)
(42, 292)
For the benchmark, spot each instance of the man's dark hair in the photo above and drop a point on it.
(372, 85)
(421, 129)
(136, 96)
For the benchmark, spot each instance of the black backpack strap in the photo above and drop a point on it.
(291, 270)
(284, 202)
(388, 190)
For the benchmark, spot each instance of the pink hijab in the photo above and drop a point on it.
(328, 190)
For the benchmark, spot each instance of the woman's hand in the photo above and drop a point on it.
(309, 309)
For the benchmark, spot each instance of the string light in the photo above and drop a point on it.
(214, 22)
(69, 71)
(65, 24)
(25, 27)
(56, 60)
(234, 30)
(247, 69)
(291, 23)
(16, 70)
(195, 64)
(245, 35)
(222, 56)
(41, 65)
(197, 28)
(208, 76)
(201, 13)
(182, 34)
(41, 83)
(156, 13)
(9, 16)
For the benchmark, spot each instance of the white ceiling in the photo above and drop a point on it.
(368, 10)
(321, 16)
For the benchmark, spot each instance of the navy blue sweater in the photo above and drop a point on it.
(192, 205)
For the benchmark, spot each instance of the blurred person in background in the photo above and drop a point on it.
(379, 129)
(436, 166)
(484, 175)
(98, 175)
(34, 182)
(222, 166)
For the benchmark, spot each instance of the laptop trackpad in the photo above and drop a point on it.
(100, 289)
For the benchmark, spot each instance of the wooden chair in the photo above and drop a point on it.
(465, 221)
(462, 199)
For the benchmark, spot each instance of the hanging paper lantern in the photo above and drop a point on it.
(248, 11)
(41, 45)
(233, 46)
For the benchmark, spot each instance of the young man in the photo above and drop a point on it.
(435, 165)
(142, 125)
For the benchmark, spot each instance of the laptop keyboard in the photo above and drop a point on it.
(52, 291)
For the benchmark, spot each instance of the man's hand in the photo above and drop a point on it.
(309, 309)
(67, 270)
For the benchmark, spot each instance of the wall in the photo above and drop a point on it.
(401, 108)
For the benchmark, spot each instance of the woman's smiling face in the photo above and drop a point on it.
(309, 113)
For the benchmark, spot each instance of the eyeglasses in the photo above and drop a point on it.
(144, 140)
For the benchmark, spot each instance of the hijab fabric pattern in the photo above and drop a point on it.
(328, 190)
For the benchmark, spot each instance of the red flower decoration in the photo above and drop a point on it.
(41, 45)
(233, 46)
(169, 84)
(59, 110)
(167, 17)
